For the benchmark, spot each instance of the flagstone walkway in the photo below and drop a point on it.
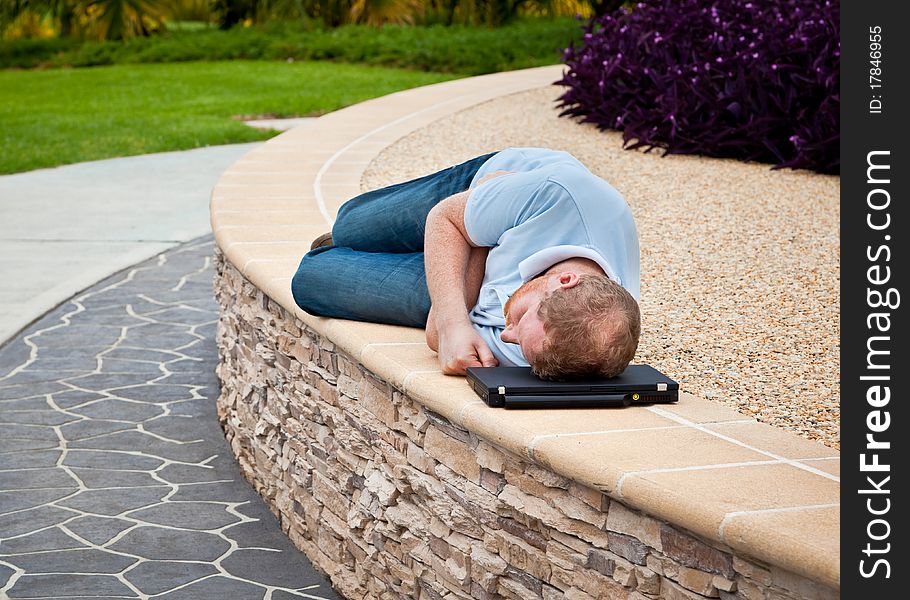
(115, 478)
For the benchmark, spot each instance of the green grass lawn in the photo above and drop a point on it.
(60, 116)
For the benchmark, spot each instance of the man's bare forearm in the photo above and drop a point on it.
(455, 270)
(446, 257)
(477, 262)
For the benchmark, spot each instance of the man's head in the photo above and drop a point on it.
(573, 321)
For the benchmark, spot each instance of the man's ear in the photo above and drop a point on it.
(567, 279)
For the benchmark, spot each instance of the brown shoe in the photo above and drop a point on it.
(323, 240)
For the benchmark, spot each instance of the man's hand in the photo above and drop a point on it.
(460, 347)
(454, 272)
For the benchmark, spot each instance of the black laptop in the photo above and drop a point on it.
(517, 387)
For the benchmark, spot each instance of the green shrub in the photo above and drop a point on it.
(456, 49)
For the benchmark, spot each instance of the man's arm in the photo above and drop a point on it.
(447, 255)
(477, 262)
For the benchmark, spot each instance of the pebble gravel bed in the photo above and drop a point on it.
(740, 266)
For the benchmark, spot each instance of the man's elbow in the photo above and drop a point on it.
(432, 335)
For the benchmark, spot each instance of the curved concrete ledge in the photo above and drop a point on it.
(741, 494)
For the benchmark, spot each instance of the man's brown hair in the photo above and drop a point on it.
(592, 329)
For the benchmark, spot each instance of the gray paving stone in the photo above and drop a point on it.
(32, 520)
(137, 441)
(158, 577)
(110, 300)
(192, 408)
(5, 573)
(112, 455)
(202, 302)
(184, 430)
(190, 474)
(46, 416)
(65, 308)
(115, 316)
(192, 290)
(190, 365)
(48, 539)
(147, 354)
(64, 344)
(156, 393)
(74, 362)
(171, 544)
(83, 337)
(275, 568)
(89, 598)
(185, 316)
(254, 535)
(17, 431)
(208, 330)
(10, 444)
(72, 398)
(216, 587)
(235, 490)
(188, 515)
(91, 429)
(114, 502)
(15, 500)
(120, 365)
(85, 560)
(309, 592)
(112, 316)
(98, 530)
(68, 586)
(28, 376)
(104, 478)
(10, 392)
(159, 336)
(108, 381)
(31, 403)
(120, 409)
(35, 479)
(12, 354)
(198, 349)
(99, 459)
(43, 458)
(64, 353)
(142, 307)
(88, 332)
(190, 377)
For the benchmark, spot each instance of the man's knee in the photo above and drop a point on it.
(306, 283)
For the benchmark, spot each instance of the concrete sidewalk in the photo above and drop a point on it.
(63, 229)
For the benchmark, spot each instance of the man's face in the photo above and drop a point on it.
(523, 325)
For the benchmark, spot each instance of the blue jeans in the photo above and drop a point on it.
(375, 272)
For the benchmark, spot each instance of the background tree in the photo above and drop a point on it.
(233, 12)
(378, 12)
(104, 19)
(121, 19)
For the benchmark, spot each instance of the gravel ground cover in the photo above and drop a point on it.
(740, 267)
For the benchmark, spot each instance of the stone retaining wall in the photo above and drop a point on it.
(392, 500)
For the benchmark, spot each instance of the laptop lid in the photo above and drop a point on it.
(638, 383)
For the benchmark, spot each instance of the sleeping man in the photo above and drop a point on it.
(520, 257)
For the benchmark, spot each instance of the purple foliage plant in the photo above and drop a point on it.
(753, 80)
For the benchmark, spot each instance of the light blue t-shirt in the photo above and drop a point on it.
(550, 209)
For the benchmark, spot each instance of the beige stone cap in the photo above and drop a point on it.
(764, 492)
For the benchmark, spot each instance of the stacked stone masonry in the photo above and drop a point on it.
(391, 500)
